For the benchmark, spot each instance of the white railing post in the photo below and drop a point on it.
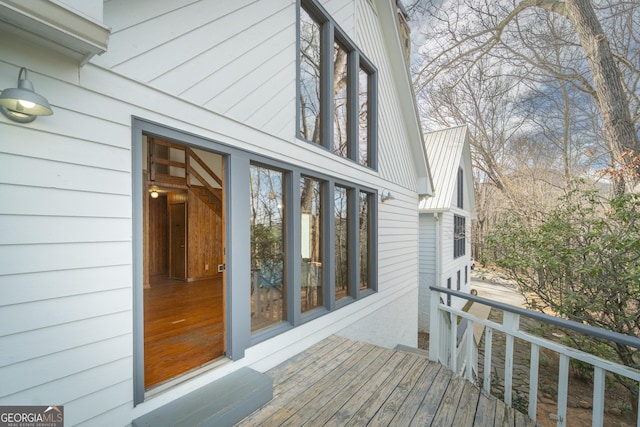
(563, 389)
(597, 417)
(434, 327)
(453, 339)
(511, 322)
(488, 339)
(469, 359)
(533, 380)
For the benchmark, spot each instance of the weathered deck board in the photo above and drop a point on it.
(340, 382)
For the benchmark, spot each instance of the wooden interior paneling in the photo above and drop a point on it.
(205, 239)
(157, 238)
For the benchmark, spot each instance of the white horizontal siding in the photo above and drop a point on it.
(41, 314)
(394, 155)
(235, 58)
(65, 245)
(343, 14)
(56, 366)
(62, 336)
(22, 259)
(19, 170)
(49, 285)
(56, 229)
(84, 409)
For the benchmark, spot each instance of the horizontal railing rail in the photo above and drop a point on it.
(510, 327)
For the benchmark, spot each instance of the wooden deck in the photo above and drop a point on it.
(340, 382)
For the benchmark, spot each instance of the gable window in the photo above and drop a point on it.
(309, 79)
(458, 236)
(337, 88)
(460, 201)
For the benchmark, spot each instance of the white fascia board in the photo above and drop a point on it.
(55, 25)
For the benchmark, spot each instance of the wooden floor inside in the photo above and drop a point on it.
(183, 327)
(340, 382)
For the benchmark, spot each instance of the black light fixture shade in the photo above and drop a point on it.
(23, 104)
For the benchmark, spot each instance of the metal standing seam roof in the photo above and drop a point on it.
(444, 151)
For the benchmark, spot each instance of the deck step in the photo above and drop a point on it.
(412, 350)
(221, 403)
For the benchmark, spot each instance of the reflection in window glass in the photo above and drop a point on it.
(340, 104)
(363, 117)
(312, 291)
(268, 283)
(309, 78)
(341, 218)
(364, 241)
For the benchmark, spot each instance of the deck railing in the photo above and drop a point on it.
(443, 337)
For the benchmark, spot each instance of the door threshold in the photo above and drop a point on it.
(161, 388)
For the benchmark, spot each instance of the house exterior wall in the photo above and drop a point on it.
(450, 265)
(428, 269)
(66, 184)
(448, 151)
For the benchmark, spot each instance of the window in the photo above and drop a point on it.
(364, 128)
(309, 77)
(459, 240)
(337, 88)
(311, 247)
(364, 239)
(268, 278)
(341, 100)
(460, 202)
(458, 281)
(341, 227)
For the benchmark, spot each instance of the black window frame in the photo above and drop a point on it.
(460, 189)
(330, 32)
(459, 236)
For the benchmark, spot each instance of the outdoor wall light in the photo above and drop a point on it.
(154, 194)
(385, 196)
(22, 104)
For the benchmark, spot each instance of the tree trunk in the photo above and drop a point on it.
(619, 132)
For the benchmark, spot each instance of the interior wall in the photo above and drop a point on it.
(205, 245)
(158, 245)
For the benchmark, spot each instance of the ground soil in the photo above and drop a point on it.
(618, 410)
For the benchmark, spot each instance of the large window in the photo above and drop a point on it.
(309, 77)
(291, 279)
(337, 89)
(459, 236)
(268, 278)
(311, 244)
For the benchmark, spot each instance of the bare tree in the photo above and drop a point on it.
(471, 30)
